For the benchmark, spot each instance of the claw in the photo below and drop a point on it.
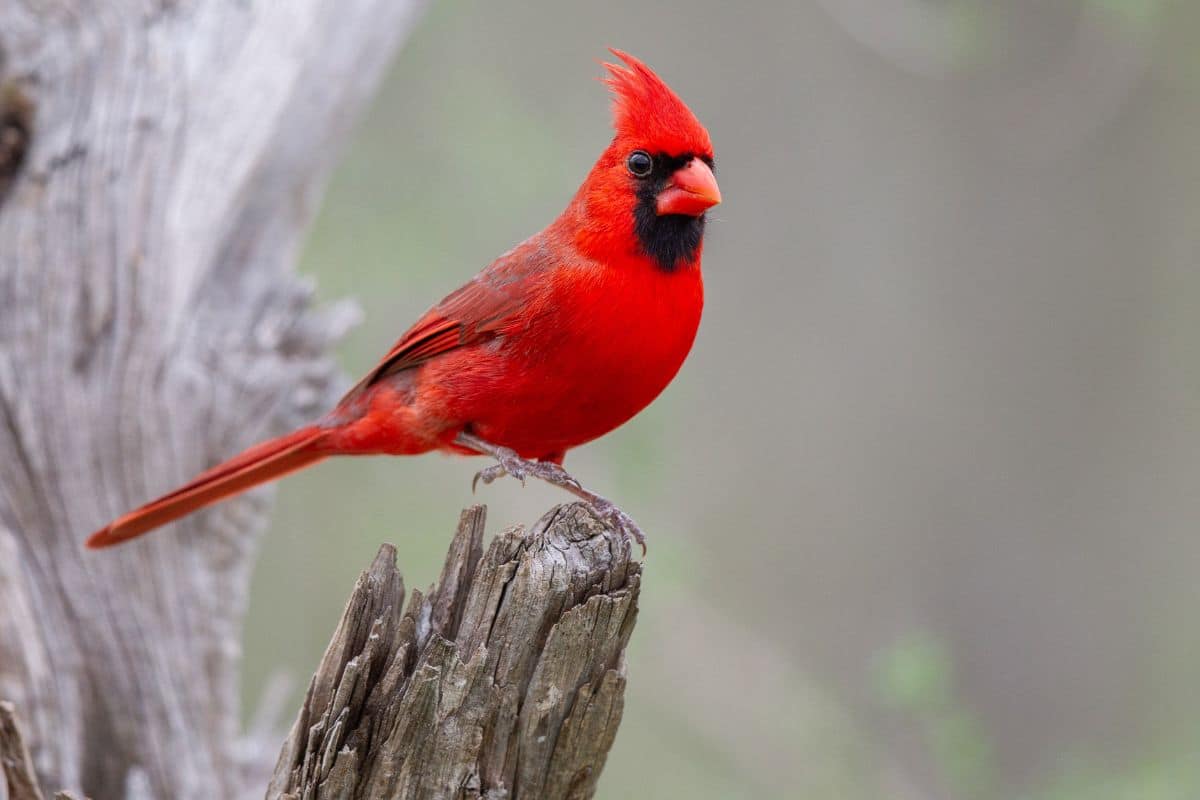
(513, 465)
(621, 521)
(507, 463)
(488, 475)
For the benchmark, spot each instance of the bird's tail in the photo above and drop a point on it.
(261, 463)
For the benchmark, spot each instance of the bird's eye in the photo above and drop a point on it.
(639, 163)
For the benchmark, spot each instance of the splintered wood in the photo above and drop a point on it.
(506, 680)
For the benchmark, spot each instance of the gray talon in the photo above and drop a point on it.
(621, 521)
(488, 475)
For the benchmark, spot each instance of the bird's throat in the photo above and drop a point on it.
(671, 241)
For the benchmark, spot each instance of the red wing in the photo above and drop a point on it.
(474, 313)
(433, 334)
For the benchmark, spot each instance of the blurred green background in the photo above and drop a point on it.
(923, 502)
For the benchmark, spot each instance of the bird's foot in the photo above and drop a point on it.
(509, 463)
(618, 519)
(489, 474)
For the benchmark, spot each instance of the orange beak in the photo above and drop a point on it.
(691, 191)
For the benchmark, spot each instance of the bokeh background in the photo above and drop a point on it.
(923, 503)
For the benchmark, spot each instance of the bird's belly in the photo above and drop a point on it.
(546, 414)
(544, 396)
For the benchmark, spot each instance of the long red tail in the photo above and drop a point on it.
(261, 463)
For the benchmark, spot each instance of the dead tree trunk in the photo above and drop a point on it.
(159, 163)
(505, 681)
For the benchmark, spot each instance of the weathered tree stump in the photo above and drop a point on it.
(506, 680)
(20, 781)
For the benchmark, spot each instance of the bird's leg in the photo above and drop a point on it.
(509, 463)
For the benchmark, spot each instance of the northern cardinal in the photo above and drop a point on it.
(559, 341)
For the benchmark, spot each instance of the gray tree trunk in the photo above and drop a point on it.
(159, 163)
(505, 681)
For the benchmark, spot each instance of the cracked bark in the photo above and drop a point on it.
(506, 680)
(159, 164)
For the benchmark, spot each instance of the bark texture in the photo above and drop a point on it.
(506, 680)
(19, 777)
(159, 163)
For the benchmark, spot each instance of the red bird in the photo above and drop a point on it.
(558, 341)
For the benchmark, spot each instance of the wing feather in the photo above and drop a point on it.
(476, 312)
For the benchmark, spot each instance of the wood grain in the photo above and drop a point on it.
(162, 161)
(506, 680)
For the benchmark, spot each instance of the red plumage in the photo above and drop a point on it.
(645, 109)
(555, 343)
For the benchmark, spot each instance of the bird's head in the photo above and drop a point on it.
(651, 187)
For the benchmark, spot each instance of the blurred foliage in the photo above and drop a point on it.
(968, 33)
(1173, 778)
(916, 677)
(1144, 15)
